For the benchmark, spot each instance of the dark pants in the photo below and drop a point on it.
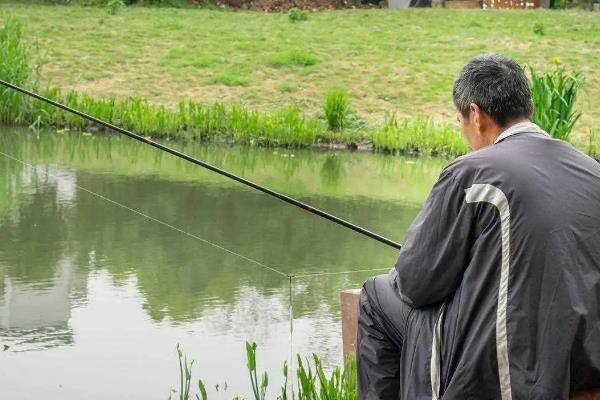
(382, 323)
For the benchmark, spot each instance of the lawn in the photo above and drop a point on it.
(402, 61)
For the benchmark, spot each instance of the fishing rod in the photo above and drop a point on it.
(176, 153)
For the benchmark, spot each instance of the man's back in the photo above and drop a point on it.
(535, 310)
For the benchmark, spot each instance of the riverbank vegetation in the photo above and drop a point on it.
(311, 381)
(192, 92)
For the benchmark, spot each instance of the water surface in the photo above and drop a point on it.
(94, 297)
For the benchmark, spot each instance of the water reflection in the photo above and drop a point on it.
(88, 278)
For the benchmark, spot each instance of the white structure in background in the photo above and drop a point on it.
(398, 3)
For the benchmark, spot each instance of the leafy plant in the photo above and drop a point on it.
(297, 15)
(336, 109)
(554, 94)
(538, 29)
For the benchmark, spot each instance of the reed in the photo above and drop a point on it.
(312, 383)
(418, 135)
(554, 94)
(19, 63)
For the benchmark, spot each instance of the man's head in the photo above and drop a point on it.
(491, 93)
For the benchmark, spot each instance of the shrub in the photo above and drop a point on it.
(336, 109)
(554, 94)
(114, 6)
(297, 15)
(538, 29)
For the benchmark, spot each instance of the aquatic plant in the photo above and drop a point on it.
(312, 382)
(418, 135)
(554, 94)
(336, 109)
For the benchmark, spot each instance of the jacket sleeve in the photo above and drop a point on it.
(437, 247)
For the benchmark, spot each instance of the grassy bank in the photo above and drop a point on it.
(258, 79)
(400, 61)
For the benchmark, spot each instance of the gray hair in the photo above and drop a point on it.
(499, 87)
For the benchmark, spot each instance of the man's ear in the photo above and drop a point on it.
(478, 117)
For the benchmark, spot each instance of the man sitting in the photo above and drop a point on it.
(496, 292)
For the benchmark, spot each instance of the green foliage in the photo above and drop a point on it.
(312, 382)
(114, 6)
(419, 135)
(19, 64)
(293, 58)
(538, 29)
(297, 15)
(336, 109)
(554, 94)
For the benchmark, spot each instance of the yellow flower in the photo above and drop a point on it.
(556, 60)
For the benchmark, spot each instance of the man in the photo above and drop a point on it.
(496, 292)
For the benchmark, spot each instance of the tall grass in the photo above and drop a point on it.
(337, 109)
(554, 94)
(419, 135)
(190, 120)
(312, 383)
(593, 145)
(20, 64)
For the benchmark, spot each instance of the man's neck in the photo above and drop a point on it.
(495, 131)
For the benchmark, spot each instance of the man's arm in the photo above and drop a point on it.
(437, 246)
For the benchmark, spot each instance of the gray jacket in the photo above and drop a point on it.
(504, 263)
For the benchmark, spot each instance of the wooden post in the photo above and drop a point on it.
(349, 301)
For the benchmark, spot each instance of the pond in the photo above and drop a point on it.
(94, 297)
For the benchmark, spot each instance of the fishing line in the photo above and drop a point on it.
(210, 167)
(353, 271)
(166, 224)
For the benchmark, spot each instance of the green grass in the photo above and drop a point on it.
(293, 58)
(230, 77)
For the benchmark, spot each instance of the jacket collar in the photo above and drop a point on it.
(521, 127)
